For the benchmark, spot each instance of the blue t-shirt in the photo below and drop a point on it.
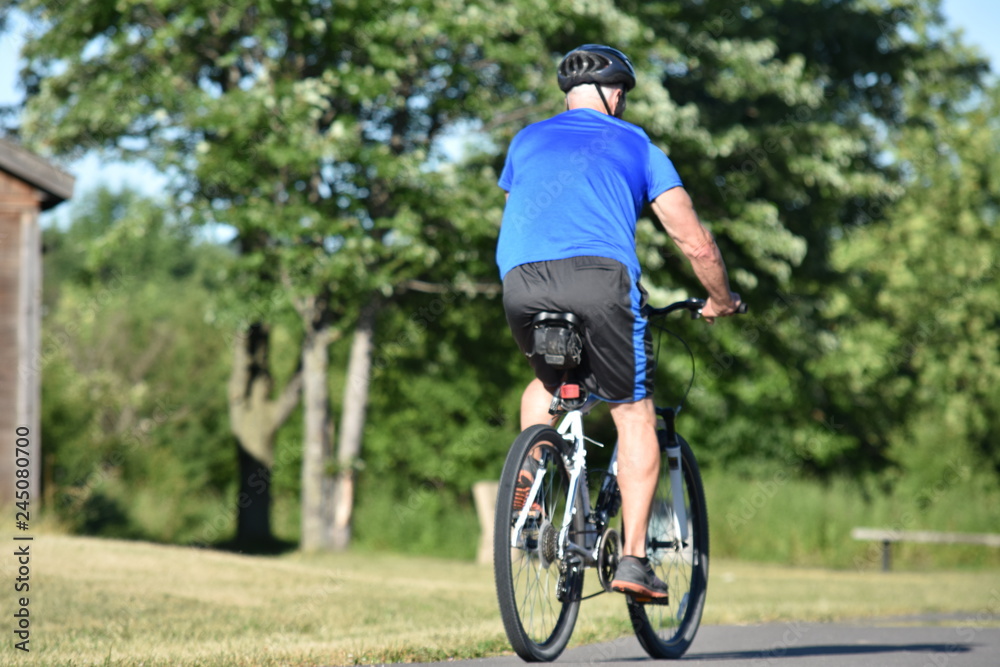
(577, 184)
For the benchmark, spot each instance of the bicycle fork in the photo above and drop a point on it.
(673, 452)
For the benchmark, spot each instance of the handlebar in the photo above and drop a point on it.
(694, 306)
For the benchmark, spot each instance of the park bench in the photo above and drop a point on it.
(888, 536)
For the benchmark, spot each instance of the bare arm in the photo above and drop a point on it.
(676, 213)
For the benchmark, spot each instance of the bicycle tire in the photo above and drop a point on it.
(666, 631)
(526, 568)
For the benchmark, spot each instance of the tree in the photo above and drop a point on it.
(314, 133)
(356, 391)
(131, 369)
(317, 132)
(255, 417)
(449, 381)
(779, 117)
(916, 325)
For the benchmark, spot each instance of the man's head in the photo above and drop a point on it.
(594, 71)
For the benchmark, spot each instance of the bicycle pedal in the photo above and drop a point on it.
(648, 600)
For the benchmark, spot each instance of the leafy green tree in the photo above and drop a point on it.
(779, 117)
(313, 132)
(443, 416)
(277, 125)
(131, 370)
(317, 132)
(917, 337)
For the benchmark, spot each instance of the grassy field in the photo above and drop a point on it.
(111, 602)
(782, 519)
(772, 516)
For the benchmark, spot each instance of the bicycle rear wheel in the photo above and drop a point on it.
(538, 591)
(666, 631)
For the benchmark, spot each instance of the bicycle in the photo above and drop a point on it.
(544, 541)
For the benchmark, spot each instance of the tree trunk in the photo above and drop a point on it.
(352, 425)
(253, 521)
(255, 419)
(316, 502)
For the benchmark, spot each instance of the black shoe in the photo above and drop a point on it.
(635, 577)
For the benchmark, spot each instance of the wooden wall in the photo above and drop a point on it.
(20, 330)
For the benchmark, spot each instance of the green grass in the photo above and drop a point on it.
(771, 515)
(109, 602)
(778, 518)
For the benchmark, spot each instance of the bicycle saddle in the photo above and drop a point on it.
(556, 319)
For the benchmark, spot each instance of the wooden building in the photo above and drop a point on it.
(28, 185)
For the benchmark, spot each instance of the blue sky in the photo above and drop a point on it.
(978, 19)
(980, 22)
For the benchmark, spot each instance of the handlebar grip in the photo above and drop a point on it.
(741, 309)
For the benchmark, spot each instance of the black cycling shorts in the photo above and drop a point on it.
(617, 364)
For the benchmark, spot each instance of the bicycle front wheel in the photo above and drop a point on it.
(666, 631)
(538, 581)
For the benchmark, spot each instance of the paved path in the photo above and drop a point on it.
(904, 642)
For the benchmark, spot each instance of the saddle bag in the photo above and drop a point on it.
(556, 337)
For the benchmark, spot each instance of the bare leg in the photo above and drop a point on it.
(638, 468)
(535, 403)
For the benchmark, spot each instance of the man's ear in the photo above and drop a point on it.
(619, 102)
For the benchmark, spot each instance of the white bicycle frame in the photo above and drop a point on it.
(571, 429)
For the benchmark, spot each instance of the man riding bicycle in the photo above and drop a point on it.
(576, 185)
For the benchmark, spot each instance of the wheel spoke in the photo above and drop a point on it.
(537, 622)
(665, 631)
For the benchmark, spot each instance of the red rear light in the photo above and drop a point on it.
(569, 391)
